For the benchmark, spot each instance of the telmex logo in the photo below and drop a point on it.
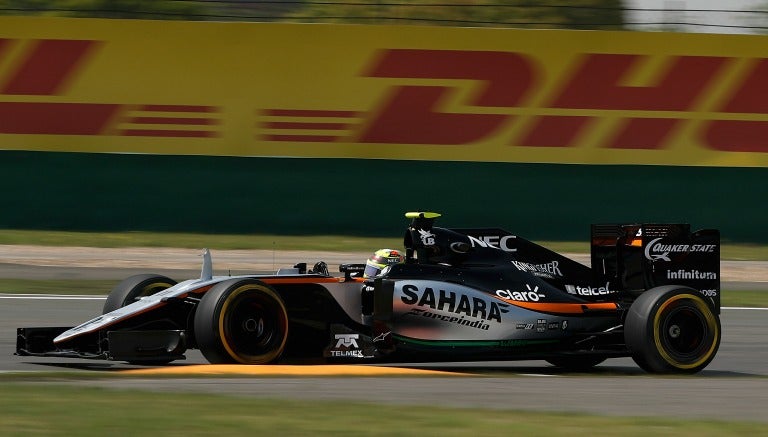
(346, 340)
(598, 88)
(656, 251)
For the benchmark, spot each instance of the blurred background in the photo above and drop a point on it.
(56, 178)
(714, 16)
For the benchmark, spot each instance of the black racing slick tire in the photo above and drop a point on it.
(135, 287)
(241, 321)
(672, 329)
(576, 363)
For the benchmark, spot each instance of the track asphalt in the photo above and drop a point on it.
(733, 387)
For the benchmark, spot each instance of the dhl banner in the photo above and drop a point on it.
(384, 92)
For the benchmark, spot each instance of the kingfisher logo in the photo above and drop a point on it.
(546, 270)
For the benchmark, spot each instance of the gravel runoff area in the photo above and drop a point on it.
(240, 261)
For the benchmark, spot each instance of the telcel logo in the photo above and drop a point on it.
(590, 291)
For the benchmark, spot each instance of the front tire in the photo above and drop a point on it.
(672, 329)
(134, 288)
(241, 321)
(130, 290)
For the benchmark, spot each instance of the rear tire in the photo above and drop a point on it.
(241, 321)
(135, 287)
(672, 329)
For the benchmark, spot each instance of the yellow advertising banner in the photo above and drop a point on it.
(383, 92)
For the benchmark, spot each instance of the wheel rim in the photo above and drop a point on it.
(150, 289)
(685, 331)
(253, 325)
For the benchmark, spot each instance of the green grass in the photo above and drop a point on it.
(27, 409)
(185, 240)
(56, 286)
(745, 298)
(343, 243)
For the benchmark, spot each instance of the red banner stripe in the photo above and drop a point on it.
(737, 136)
(644, 133)
(309, 113)
(298, 125)
(178, 108)
(302, 138)
(173, 120)
(167, 133)
(55, 118)
(554, 131)
(48, 67)
(4, 44)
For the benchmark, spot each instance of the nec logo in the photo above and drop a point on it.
(347, 340)
(504, 243)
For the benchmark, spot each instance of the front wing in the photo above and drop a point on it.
(131, 346)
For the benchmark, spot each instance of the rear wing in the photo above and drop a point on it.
(637, 257)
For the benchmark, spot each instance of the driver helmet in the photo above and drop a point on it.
(379, 260)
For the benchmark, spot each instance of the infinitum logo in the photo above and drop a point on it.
(690, 274)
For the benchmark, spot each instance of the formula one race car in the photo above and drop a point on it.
(653, 293)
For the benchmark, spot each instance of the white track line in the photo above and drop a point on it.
(52, 297)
